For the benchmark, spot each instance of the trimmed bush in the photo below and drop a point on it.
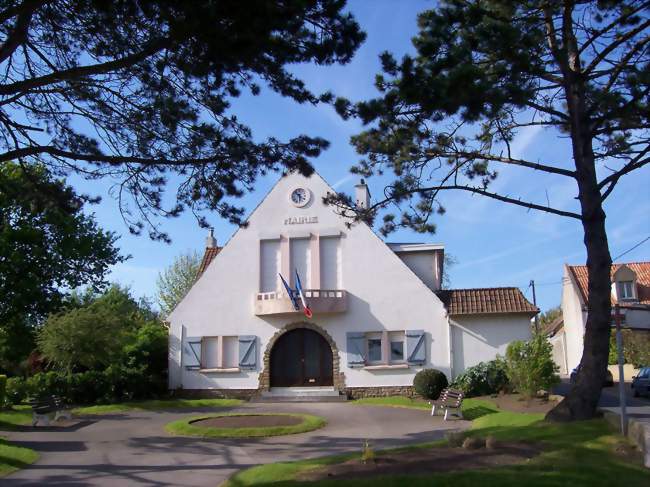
(3, 390)
(530, 366)
(429, 383)
(483, 379)
(114, 384)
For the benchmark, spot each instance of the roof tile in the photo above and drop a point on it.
(210, 253)
(493, 300)
(641, 269)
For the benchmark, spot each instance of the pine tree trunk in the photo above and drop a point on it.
(582, 400)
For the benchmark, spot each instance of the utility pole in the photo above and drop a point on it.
(532, 284)
(621, 378)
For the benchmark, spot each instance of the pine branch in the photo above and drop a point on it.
(84, 71)
(482, 192)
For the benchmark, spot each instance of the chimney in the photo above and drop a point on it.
(210, 241)
(362, 195)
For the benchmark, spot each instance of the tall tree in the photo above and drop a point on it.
(141, 93)
(483, 71)
(47, 244)
(96, 330)
(176, 280)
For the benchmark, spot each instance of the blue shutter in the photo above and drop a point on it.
(248, 352)
(416, 351)
(192, 353)
(356, 345)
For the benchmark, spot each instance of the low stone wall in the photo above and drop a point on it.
(216, 393)
(360, 392)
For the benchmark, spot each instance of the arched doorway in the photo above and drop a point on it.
(301, 358)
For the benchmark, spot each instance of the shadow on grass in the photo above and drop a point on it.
(476, 412)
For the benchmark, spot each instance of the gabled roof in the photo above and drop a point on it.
(210, 253)
(493, 300)
(641, 269)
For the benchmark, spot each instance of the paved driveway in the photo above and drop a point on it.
(133, 449)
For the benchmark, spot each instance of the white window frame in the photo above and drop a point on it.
(625, 286)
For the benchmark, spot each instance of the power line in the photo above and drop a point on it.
(632, 248)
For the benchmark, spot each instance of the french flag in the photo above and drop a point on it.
(290, 293)
(306, 308)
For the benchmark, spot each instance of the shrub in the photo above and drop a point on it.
(16, 390)
(114, 384)
(636, 347)
(483, 378)
(530, 366)
(429, 383)
(3, 390)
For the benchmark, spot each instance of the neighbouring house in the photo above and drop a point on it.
(630, 290)
(379, 311)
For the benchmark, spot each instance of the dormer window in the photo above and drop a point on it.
(626, 290)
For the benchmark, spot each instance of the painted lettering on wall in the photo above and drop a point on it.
(299, 220)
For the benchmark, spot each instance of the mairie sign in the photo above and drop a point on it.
(299, 220)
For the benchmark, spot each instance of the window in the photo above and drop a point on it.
(219, 352)
(330, 263)
(210, 353)
(626, 289)
(397, 348)
(374, 350)
(269, 265)
(230, 352)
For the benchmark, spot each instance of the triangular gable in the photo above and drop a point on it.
(277, 196)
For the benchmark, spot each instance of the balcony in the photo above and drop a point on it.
(319, 300)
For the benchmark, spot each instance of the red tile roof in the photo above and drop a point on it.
(210, 253)
(486, 301)
(641, 269)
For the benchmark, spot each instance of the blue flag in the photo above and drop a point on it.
(290, 292)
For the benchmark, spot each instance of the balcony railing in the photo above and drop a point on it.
(318, 300)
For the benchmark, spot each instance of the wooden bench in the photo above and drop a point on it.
(450, 401)
(42, 409)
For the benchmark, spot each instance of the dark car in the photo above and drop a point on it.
(608, 382)
(641, 382)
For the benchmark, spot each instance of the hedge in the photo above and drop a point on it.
(3, 389)
(114, 384)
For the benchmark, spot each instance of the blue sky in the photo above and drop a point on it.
(495, 244)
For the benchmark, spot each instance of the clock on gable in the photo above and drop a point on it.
(299, 197)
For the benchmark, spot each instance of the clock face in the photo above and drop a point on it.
(300, 196)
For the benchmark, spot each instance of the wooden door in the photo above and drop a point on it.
(301, 358)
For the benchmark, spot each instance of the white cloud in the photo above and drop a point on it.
(344, 180)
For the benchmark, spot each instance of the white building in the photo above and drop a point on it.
(630, 290)
(379, 314)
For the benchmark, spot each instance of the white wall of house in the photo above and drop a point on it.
(558, 342)
(480, 338)
(574, 320)
(383, 293)
(424, 265)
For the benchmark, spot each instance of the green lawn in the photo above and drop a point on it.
(576, 454)
(16, 416)
(14, 457)
(157, 405)
(184, 427)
